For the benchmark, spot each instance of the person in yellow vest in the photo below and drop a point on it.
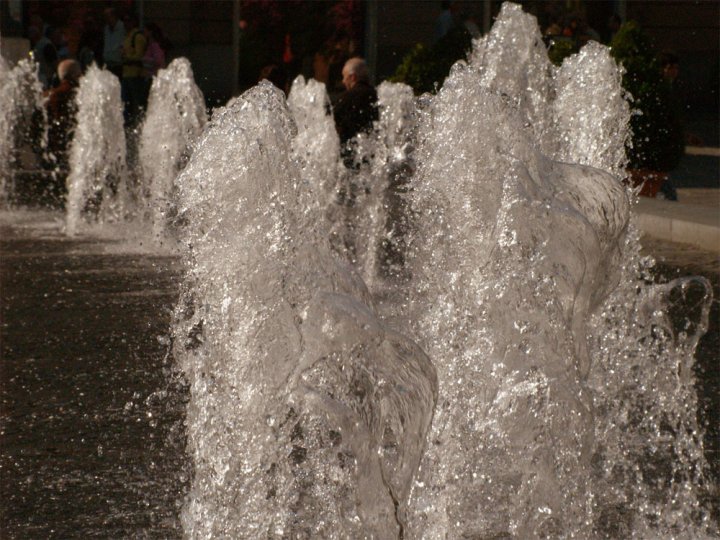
(133, 83)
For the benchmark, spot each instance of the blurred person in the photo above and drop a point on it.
(356, 109)
(446, 21)
(58, 39)
(670, 68)
(44, 53)
(154, 58)
(113, 38)
(669, 64)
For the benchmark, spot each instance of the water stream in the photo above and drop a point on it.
(457, 337)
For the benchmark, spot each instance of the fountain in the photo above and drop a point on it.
(175, 117)
(97, 183)
(328, 404)
(20, 98)
(492, 360)
(374, 222)
(522, 268)
(316, 146)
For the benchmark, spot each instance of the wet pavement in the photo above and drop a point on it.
(91, 434)
(91, 418)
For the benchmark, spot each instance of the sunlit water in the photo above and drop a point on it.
(20, 98)
(97, 187)
(456, 337)
(175, 117)
(111, 462)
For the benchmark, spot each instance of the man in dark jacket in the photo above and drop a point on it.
(356, 108)
(355, 111)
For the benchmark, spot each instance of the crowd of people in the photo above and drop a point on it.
(133, 55)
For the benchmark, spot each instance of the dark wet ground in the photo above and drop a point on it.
(91, 437)
(91, 433)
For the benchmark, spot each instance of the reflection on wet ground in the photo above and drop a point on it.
(91, 425)
(91, 434)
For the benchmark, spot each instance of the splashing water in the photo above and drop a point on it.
(514, 257)
(316, 146)
(361, 204)
(20, 98)
(507, 259)
(307, 415)
(592, 130)
(392, 168)
(175, 118)
(97, 183)
(557, 398)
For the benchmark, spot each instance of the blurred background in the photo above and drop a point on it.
(229, 42)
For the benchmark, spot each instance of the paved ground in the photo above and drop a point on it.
(695, 218)
(707, 197)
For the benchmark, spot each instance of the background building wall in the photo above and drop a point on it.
(692, 31)
(201, 31)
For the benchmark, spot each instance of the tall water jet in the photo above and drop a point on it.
(591, 112)
(97, 188)
(358, 202)
(20, 98)
(316, 146)
(513, 262)
(562, 395)
(175, 117)
(307, 415)
(515, 64)
(392, 168)
(501, 235)
(379, 177)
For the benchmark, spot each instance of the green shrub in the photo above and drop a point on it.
(560, 48)
(425, 68)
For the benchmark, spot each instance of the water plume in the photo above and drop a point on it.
(556, 399)
(175, 117)
(97, 183)
(307, 414)
(515, 256)
(20, 99)
(316, 146)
